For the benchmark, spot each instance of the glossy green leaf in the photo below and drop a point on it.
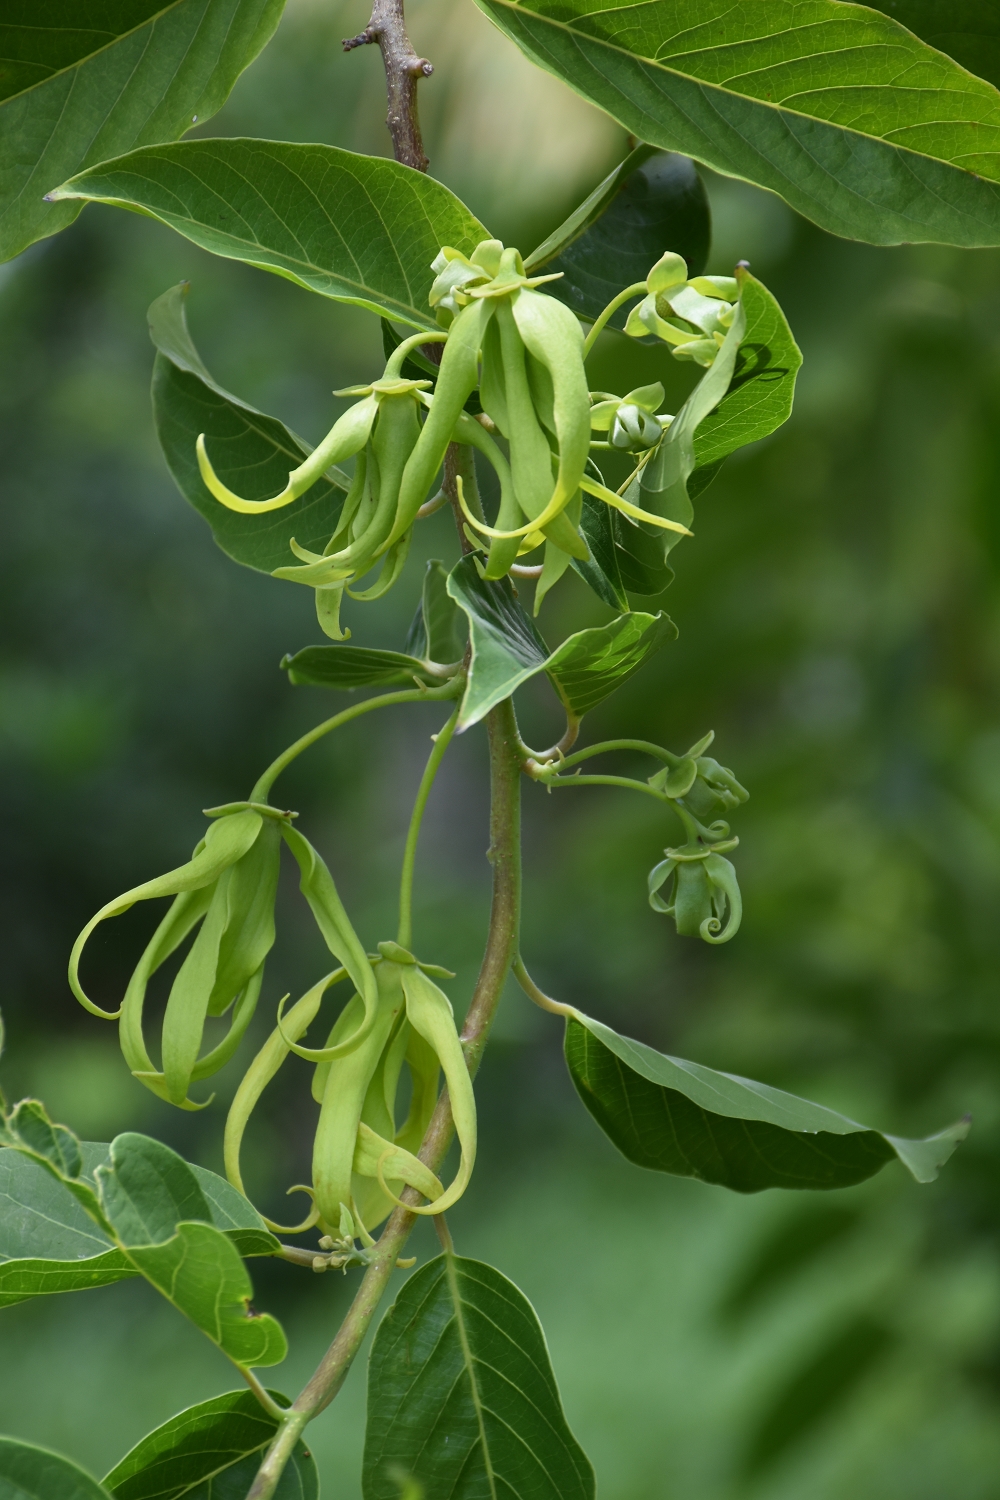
(507, 649)
(356, 228)
(210, 1452)
(654, 201)
(252, 453)
(852, 119)
(461, 1394)
(761, 392)
(80, 84)
(31, 1473)
(350, 667)
(162, 1220)
(968, 30)
(49, 1243)
(434, 633)
(624, 559)
(679, 1117)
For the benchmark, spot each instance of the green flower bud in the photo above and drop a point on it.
(704, 888)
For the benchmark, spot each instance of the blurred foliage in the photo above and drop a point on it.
(839, 612)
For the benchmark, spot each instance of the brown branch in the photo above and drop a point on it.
(403, 71)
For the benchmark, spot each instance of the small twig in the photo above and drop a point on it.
(403, 71)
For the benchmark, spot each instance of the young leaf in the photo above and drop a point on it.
(356, 228)
(350, 667)
(653, 201)
(461, 1394)
(77, 88)
(760, 394)
(210, 1450)
(31, 1473)
(433, 635)
(507, 649)
(679, 1117)
(252, 453)
(852, 119)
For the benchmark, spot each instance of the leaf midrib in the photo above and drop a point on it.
(81, 62)
(778, 109)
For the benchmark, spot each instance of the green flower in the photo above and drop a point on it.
(691, 316)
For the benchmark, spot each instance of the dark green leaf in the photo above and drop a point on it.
(210, 1452)
(147, 1189)
(81, 84)
(359, 229)
(507, 649)
(968, 30)
(853, 120)
(30, 1473)
(349, 667)
(252, 453)
(654, 201)
(679, 1117)
(433, 635)
(461, 1394)
(601, 568)
(591, 664)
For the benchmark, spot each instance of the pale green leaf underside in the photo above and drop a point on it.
(507, 649)
(80, 84)
(210, 1452)
(359, 229)
(688, 1120)
(461, 1394)
(857, 123)
(49, 1244)
(28, 1472)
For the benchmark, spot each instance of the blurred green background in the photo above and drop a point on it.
(839, 617)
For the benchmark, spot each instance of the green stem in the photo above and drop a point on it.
(441, 742)
(644, 747)
(637, 289)
(625, 781)
(498, 958)
(447, 690)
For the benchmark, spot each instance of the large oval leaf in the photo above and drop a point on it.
(209, 1452)
(31, 1473)
(356, 228)
(851, 118)
(679, 1117)
(654, 201)
(79, 85)
(461, 1394)
(251, 452)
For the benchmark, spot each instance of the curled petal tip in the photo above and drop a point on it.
(226, 497)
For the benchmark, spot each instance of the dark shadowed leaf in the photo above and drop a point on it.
(654, 201)
(349, 667)
(852, 119)
(252, 453)
(679, 1117)
(507, 649)
(969, 30)
(356, 228)
(30, 1473)
(461, 1394)
(79, 84)
(210, 1452)
(434, 632)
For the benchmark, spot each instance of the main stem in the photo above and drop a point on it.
(501, 951)
(403, 71)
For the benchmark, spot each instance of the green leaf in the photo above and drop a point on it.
(433, 635)
(969, 32)
(252, 453)
(507, 649)
(360, 229)
(81, 84)
(852, 119)
(150, 1196)
(210, 1452)
(461, 1394)
(350, 667)
(653, 201)
(49, 1243)
(31, 1473)
(760, 394)
(679, 1117)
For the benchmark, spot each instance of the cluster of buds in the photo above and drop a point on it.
(525, 352)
